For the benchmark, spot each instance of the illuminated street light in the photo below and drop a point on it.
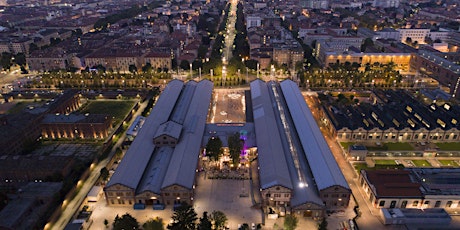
(224, 74)
(272, 72)
(257, 70)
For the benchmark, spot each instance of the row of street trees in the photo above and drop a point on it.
(351, 75)
(96, 80)
(184, 218)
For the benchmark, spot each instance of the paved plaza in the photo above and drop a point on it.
(229, 196)
(228, 106)
(101, 212)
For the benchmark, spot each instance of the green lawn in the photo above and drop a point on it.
(20, 106)
(377, 148)
(399, 146)
(392, 146)
(392, 165)
(453, 146)
(345, 145)
(359, 166)
(116, 108)
(385, 162)
(448, 162)
(421, 163)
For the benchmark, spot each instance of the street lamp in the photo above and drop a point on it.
(257, 70)
(247, 69)
(224, 73)
(272, 72)
(211, 74)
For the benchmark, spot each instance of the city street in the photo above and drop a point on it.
(229, 37)
(11, 79)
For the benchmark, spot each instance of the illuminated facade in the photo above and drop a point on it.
(412, 188)
(415, 35)
(118, 61)
(18, 129)
(395, 116)
(401, 60)
(288, 56)
(158, 60)
(444, 71)
(91, 126)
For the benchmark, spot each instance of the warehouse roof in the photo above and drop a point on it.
(183, 163)
(321, 161)
(156, 170)
(169, 128)
(272, 162)
(134, 163)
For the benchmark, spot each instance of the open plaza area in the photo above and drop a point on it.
(228, 106)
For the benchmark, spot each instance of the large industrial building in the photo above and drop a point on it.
(159, 167)
(297, 170)
(394, 116)
(421, 188)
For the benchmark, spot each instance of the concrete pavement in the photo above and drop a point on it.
(229, 105)
(228, 196)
